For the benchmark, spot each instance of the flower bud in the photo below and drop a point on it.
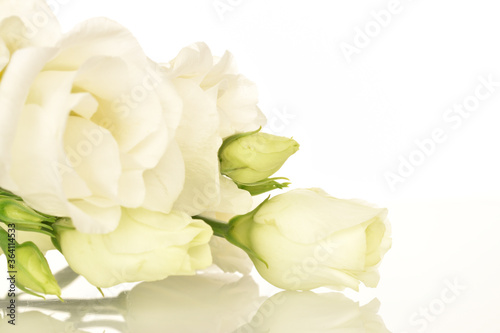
(253, 157)
(33, 271)
(15, 211)
(305, 239)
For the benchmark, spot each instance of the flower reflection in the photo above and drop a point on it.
(300, 312)
(205, 303)
(35, 321)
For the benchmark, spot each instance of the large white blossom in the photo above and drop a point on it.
(88, 126)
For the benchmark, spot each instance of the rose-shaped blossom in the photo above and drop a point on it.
(146, 246)
(217, 102)
(88, 127)
(298, 312)
(305, 239)
(215, 303)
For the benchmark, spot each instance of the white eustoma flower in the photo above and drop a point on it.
(146, 246)
(88, 125)
(218, 102)
(305, 239)
(235, 95)
(298, 312)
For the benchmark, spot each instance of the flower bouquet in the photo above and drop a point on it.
(136, 170)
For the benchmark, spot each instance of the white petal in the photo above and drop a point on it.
(4, 55)
(105, 77)
(39, 138)
(90, 218)
(42, 27)
(85, 105)
(132, 189)
(192, 62)
(238, 106)
(233, 200)
(97, 37)
(198, 139)
(307, 216)
(228, 257)
(226, 65)
(14, 86)
(95, 156)
(164, 183)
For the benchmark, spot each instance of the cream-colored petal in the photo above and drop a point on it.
(132, 189)
(93, 219)
(238, 106)
(4, 55)
(14, 86)
(224, 66)
(164, 182)
(199, 142)
(306, 216)
(228, 257)
(97, 37)
(42, 27)
(193, 62)
(233, 200)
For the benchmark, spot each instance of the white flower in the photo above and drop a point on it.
(298, 312)
(146, 246)
(88, 126)
(305, 239)
(218, 102)
(235, 95)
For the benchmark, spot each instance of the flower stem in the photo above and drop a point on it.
(220, 228)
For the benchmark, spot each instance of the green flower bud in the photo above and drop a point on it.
(252, 157)
(33, 271)
(14, 211)
(27, 266)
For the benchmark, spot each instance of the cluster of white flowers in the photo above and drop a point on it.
(128, 149)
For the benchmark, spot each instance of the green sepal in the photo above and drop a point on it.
(63, 223)
(8, 194)
(56, 243)
(241, 239)
(263, 186)
(27, 291)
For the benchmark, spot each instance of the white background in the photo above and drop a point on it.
(356, 118)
